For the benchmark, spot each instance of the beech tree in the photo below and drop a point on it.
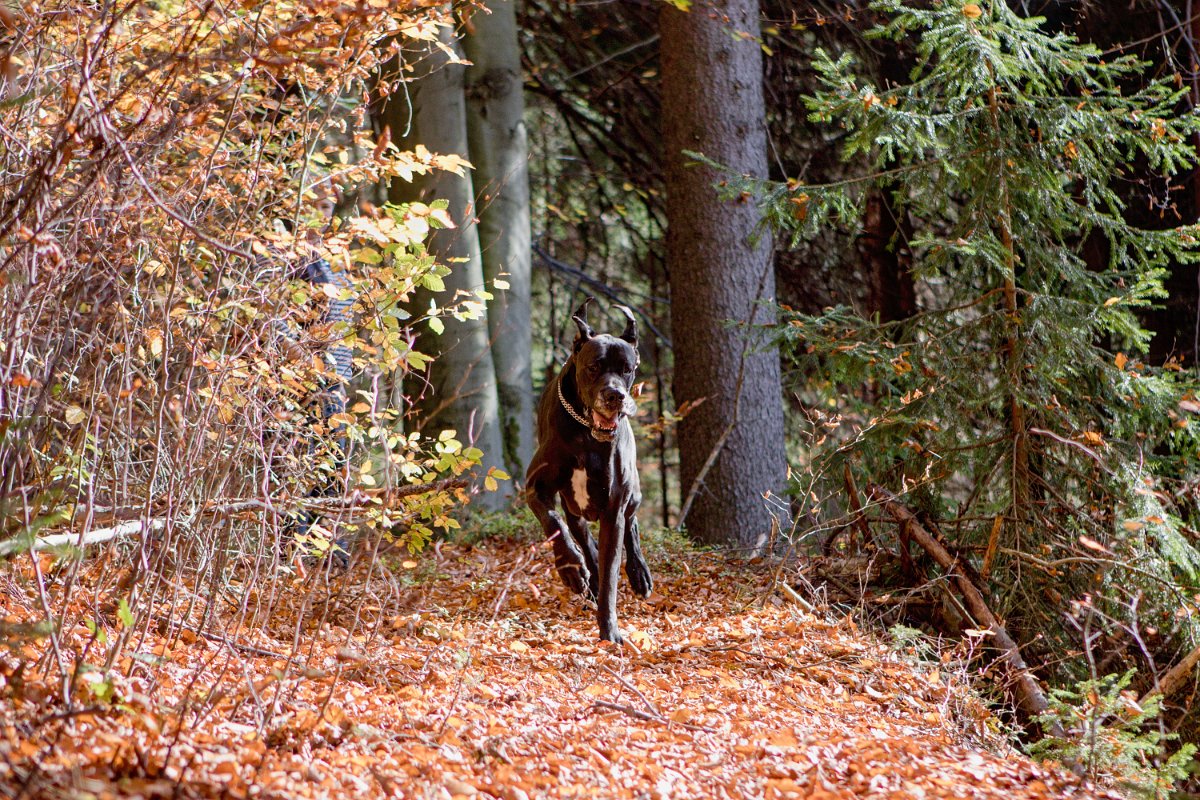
(500, 154)
(731, 444)
(461, 390)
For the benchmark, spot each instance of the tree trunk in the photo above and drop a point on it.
(499, 150)
(462, 380)
(891, 293)
(713, 103)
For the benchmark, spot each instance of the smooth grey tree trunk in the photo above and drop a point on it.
(462, 393)
(500, 153)
(713, 104)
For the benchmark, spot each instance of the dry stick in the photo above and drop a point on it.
(1176, 677)
(1029, 696)
(633, 712)
(248, 649)
(858, 518)
(357, 498)
(94, 537)
(136, 527)
(645, 700)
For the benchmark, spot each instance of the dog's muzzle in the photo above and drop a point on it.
(604, 427)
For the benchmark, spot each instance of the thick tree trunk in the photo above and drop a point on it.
(500, 153)
(713, 103)
(462, 380)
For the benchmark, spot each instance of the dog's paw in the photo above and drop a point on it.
(576, 578)
(613, 636)
(639, 579)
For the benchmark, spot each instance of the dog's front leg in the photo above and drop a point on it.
(612, 534)
(636, 568)
(583, 538)
(568, 560)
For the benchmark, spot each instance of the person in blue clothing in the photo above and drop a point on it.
(331, 397)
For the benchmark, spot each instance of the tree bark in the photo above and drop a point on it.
(891, 293)
(500, 153)
(713, 103)
(461, 393)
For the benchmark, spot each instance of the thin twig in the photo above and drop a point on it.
(633, 712)
(603, 288)
(653, 708)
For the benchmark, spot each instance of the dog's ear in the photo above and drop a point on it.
(630, 332)
(580, 318)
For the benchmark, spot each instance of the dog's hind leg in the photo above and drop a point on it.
(568, 559)
(583, 538)
(636, 568)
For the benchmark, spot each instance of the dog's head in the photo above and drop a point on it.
(604, 371)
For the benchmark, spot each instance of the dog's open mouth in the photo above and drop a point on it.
(604, 427)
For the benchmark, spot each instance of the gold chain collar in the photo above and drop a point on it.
(575, 416)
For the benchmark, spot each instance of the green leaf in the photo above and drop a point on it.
(124, 614)
(367, 255)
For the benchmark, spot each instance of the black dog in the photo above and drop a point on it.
(586, 456)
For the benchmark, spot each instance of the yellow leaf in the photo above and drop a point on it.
(154, 339)
(518, 647)
(1132, 525)
(1121, 360)
(361, 408)
(972, 11)
(681, 715)
(75, 415)
(1092, 438)
(640, 639)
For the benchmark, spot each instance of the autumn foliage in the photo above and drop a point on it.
(474, 674)
(168, 167)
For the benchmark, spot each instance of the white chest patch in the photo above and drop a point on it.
(579, 489)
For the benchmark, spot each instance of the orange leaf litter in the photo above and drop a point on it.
(474, 675)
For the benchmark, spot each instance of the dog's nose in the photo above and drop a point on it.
(610, 396)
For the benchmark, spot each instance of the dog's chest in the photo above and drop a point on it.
(579, 489)
(585, 495)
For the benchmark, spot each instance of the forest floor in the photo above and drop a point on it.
(467, 672)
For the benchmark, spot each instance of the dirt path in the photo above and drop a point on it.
(482, 679)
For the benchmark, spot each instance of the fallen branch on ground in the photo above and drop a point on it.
(355, 499)
(633, 712)
(136, 527)
(1176, 676)
(1028, 694)
(132, 528)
